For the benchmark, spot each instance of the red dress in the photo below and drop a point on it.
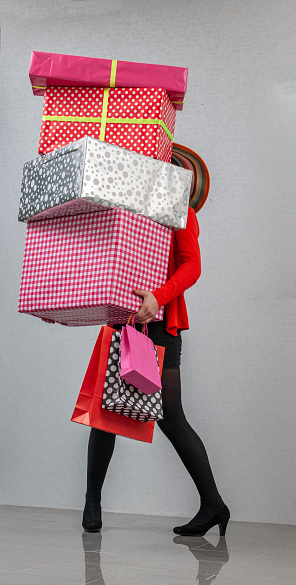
(184, 270)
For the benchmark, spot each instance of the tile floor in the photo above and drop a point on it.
(48, 547)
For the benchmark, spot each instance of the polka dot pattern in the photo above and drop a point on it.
(101, 176)
(124, 398)
(118, 177)
(140, 103)
(51, 181)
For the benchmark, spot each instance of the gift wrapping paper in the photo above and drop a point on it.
(91, 175)
(54, 69)
(82, 269)
(139, 119)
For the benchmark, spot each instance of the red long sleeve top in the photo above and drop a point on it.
(183, 271)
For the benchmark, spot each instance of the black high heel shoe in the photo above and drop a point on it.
(92, 516)
(221, 518)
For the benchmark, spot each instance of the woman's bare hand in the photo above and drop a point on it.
(149, 307)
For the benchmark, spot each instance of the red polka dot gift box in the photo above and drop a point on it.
(138, 119)
(82, 269)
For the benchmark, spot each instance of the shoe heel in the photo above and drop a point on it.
(223, 526)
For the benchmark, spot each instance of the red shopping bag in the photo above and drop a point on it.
(88, 409)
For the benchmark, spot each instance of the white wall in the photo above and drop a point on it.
(238, 367)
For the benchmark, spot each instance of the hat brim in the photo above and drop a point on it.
(182, 156)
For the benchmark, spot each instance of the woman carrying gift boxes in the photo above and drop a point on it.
(184, 270)
(109, 233)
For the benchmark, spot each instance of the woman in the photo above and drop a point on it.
(184, 270)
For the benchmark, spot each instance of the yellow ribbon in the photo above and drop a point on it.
(104, 113)
(113, 73)
(106, 120)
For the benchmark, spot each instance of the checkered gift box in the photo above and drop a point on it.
(138, 119)
(82, 269)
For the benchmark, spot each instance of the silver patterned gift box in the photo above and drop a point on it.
(91, 175)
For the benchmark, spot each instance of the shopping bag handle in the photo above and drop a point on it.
(131, 322)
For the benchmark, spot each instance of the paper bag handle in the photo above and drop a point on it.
(131, 322)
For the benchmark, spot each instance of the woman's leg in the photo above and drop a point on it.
(186, 442)
(188, 445)
(100, 450)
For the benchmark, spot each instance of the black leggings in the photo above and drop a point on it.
(175, 426)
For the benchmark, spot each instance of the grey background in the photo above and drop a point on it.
(238, 367)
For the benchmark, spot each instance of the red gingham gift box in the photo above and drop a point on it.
(139, 119)
(82, 269)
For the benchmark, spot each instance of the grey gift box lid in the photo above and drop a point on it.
(91, 175)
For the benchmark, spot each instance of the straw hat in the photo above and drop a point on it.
(182, 156)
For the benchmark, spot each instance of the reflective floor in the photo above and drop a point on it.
(49, 547)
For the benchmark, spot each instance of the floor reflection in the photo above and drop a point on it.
(92, 543)
(211, 558)
(43, 546)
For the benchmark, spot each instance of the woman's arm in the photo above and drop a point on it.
(185, 276)
(189, 263)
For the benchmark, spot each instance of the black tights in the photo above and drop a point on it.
(184, 439)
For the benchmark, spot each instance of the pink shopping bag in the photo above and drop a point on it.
(138, 364)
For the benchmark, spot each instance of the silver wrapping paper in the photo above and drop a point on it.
(91, 175)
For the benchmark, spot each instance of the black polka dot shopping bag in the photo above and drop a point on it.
(88, 410)
(124, 398)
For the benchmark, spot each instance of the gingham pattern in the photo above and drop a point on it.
(80, 270)
(123, 398)
(145, 103)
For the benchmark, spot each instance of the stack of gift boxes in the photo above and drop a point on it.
(102, 200)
